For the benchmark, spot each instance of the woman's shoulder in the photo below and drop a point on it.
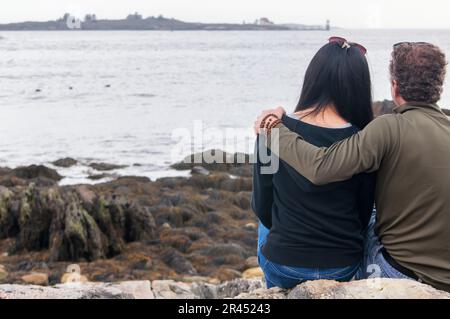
(294, 123)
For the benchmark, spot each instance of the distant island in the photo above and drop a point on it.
(138, 22)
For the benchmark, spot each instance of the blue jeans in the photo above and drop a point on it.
(374, 265)
(289, 277)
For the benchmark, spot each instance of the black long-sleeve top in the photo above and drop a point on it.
(311, 226)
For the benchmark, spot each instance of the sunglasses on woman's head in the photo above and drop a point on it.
(347, 45)
(411, 44)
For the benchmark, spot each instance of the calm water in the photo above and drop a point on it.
(117, 96)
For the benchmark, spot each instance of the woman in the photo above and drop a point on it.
(310, 232)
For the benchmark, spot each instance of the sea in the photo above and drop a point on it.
(146, 99)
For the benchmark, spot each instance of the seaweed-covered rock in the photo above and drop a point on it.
(185, 226)
(75, 235)
(6, 219)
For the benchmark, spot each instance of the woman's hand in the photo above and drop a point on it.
(278, 113)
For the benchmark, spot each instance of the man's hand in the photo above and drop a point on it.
(278, 112)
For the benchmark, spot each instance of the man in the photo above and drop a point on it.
(410, 150)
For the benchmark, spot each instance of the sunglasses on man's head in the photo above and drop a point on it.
(347, 45)
(411, 44)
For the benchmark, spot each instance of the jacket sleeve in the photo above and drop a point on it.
(262, 196)
(360, 153)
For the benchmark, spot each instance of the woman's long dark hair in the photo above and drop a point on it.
(340, 77)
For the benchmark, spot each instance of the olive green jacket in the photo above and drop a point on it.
(410, 150)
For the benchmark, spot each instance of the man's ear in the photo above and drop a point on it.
(394, 92)
(394, 89)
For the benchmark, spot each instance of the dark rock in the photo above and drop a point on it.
(446, 112)
(214, 160)
(36, 171)
(179, 263)
(143, 264)
(97, 177)
(65, 162)
(105, 166)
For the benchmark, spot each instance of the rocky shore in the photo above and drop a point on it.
(185, 229)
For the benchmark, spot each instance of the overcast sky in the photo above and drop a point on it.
(343, 13)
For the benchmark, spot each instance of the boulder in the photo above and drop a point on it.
(367, 289)
(251, 262)
(75, 235)
(65, 162)
(35, 211)
(39, 279)
(216, 160)
(36, 171)
(253, 273)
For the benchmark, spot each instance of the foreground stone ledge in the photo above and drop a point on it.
(237, 289)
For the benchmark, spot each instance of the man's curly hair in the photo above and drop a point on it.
(419, 70)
